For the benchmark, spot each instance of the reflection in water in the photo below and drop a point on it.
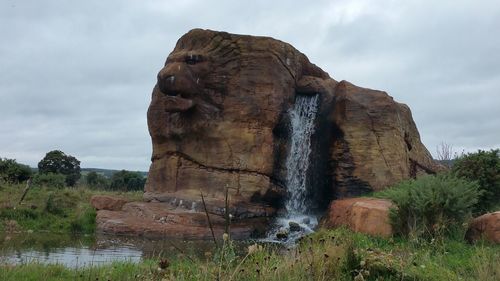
(82, 251)
(74, 257)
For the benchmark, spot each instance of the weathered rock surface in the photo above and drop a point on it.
(219, 118)
(162, 220)
(365, 215)
(485, 227)
(377, 143)
(106, 202)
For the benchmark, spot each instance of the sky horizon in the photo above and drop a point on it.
(78, 76)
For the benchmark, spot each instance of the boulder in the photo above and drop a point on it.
(293, 226)
(485, 227)
(365, 215)
(106, 202)
(219, 120)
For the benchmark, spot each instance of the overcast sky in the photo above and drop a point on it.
(77, 75)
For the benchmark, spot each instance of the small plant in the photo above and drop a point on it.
(431, 206)
(52, 205)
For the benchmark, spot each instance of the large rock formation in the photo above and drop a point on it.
(219, 118)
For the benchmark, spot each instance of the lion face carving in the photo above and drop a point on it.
(215, 111)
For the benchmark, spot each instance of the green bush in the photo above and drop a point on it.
(431, 206)
(483, 167)
(49, 180)
(13, 172)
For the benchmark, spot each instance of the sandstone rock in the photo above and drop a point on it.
(486, 226)
(365, 215)
(106, 202)
(162, 220)
(219, 119)
(377, 143)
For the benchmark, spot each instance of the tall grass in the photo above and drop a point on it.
(53, 209)
(325, 255)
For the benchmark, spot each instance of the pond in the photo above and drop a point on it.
(81, 251)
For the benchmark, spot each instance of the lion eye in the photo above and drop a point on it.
(193, 59)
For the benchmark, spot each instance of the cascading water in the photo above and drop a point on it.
(297, 221)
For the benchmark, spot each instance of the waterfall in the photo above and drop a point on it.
(302, 118)
(297, 222)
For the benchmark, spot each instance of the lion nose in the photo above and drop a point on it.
(166, 81)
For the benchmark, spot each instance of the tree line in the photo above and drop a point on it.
(58, 169)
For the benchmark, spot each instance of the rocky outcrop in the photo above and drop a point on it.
(106, 202)
(219, 119)
(485, 227)
(376, 144)
(365, 215)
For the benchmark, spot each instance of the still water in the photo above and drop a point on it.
(81, 251)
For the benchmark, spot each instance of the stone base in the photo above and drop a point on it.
(365, 215)
(160, 219)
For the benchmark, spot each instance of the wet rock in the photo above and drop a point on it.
(282, 234)
(365, 215)
(485, 227)
(293, 226)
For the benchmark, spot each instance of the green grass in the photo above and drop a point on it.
(46, 209)
(325, 255)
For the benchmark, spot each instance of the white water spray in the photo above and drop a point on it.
(297, 221)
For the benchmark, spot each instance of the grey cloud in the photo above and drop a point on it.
(78, 76)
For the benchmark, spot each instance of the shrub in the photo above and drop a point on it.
(431, 206)
(49, 180)
(13, 172)
(483, 167)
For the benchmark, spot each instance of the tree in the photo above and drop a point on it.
(127, 180)
(13, 172)
(58, 162)
(97, 180)
(446, 154)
